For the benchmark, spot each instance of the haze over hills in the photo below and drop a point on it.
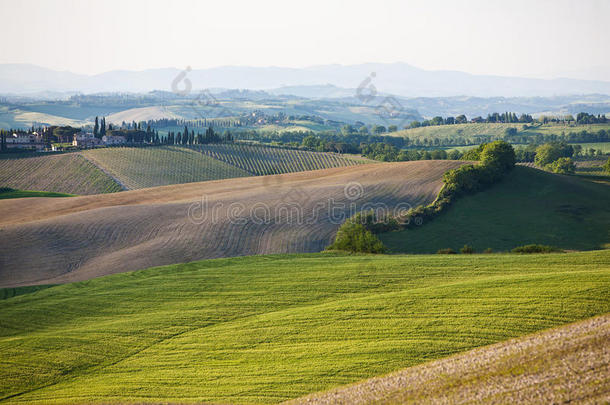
(396, 78)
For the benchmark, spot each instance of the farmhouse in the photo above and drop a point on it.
(113, 139)
(25, 141)
(85, 140)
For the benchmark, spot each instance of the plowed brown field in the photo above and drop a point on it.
(44, 241)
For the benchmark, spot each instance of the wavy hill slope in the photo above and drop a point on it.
(569, 364)
(67, 173)
(528, 206)
(266, 329)
(137, 168)
(67, 239)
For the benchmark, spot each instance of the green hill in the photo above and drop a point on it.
(528, 206)
(474, 130)
(270, 328)
(557, 366)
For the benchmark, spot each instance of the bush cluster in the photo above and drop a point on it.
(562, 165)
(535, 249)
(357, 233)
(354, 237)
(496, 159)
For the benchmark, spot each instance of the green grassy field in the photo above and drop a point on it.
(603, 146)
(270, 328)
(529, 206)
(494, 129)
(11, 193)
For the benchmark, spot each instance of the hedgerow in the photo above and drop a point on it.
(496, 159)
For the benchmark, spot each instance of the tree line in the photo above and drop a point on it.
(496, 159)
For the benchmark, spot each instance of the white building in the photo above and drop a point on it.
(25, 141)
(113, 139)
(85, 140)
(24, 138)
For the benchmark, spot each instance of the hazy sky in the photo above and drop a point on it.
(518, 38)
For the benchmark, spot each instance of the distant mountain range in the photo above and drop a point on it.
(327, 81)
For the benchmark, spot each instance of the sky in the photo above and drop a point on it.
(535, 38)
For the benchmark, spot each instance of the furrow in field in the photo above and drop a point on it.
(69, 239)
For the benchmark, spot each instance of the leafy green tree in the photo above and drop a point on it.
(607, 166)
(510, 132)
(378, 129)
(473, 154)
(562, 165)
(550, 152)
(454, 154)
(354, 237)
(499, 155)
(347, 129)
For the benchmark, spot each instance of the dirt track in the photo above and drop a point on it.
(70, 239)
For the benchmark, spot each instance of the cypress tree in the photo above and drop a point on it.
(96, 128)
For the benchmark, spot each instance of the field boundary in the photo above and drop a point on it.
(117, 181)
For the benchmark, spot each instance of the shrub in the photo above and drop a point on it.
(354, 237)
(498, 155)
(562, 165)
(447, 251)
(373, 223)
(535, 249)
(550, 152)
(488, 250)
(467, 250)
(473, 154)
(607, 166)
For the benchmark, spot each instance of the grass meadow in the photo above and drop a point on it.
(495, 129)
(528, 206)
(265, 329)
(11, 193)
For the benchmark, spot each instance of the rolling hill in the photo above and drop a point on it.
(528, 206)
(106, 170)
(272, 328)
(65, 173)
(136, 168)
(563, 365)
(496, 130)
(68, 239)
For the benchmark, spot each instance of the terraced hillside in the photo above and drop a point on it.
(272, 328)
(77, 238)
(66, 173)
(146, 167)
(263, 160)
(137, 168)
(563, 365)
(528, 206)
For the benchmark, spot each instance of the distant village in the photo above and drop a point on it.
(80, 140)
